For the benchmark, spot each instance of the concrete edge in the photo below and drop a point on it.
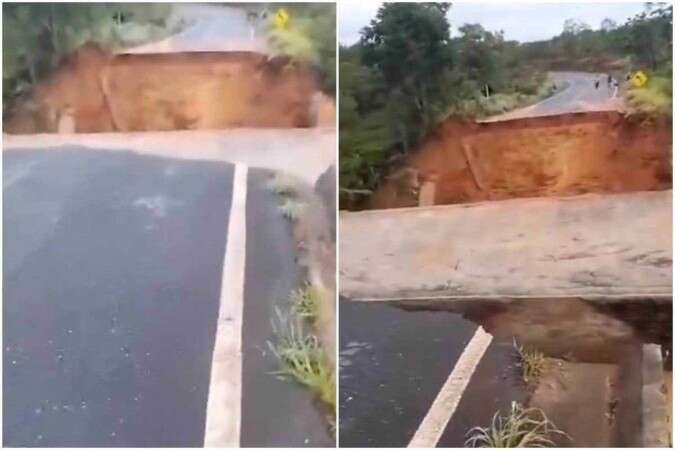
(655, 427)
(510, 202)
(660, 296)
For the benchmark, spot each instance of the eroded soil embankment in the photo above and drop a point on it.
(563, 155)
(95, 91)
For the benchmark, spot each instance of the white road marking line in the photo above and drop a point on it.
(445, 404)
(223, 411)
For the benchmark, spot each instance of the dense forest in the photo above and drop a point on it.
(408, 72)
(37, 36)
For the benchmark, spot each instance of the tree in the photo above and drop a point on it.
(608, 24)
(574, 26)
(649, 35)
(408, 43)
(36, 36)
(481, 55)
(310, 37)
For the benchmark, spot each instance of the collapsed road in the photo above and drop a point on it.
(549, 227)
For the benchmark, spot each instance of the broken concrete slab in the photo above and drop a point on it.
(605, 247)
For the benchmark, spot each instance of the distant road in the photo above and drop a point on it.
(577, 93)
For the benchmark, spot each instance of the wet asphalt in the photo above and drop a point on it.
(112, 272)
(271, 274)
(385, 393)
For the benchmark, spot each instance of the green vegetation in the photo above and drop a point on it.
(522, 427)
(309, 37)
(305, 301)
(291, 208)
(297, 347)
(653, 101)
(530, 362)
(302, 358)
(288, 188)
(408, 73)
(36, 36)
(283, 184)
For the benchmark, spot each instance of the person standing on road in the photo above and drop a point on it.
(597, 83)
(615, 85)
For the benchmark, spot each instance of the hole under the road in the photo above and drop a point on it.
(595, 360)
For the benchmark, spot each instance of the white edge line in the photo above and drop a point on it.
(444, 406)
(336, 150)
(223, 410)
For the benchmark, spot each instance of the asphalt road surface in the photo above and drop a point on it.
(393, 365)
(577, 93)
(112, 280)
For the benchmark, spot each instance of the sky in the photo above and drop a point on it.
(524, 22)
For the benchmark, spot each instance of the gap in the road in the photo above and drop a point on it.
(591, 384)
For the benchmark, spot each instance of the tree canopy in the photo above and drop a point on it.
(408, 72)
(37, 35)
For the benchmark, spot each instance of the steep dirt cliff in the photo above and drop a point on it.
(573, 154)
(95, 91)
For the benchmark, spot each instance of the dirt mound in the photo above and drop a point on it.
(551, 156)
(95, 91)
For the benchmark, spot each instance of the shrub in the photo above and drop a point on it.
(652, 101)
(283, 184)
(305, 301)
(531, 363)
(302, 358)
(522, 427)
(292, 209)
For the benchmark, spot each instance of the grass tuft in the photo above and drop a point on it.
(302, 358)
(305, 302)
(283, 184)
(522, 427)
(530, 362)
(292, 209)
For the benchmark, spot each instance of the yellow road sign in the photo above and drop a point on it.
(281, 19)
(639, 79)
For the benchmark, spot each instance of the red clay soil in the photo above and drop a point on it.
(73, 88)
(550, 156)
(104, 92)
